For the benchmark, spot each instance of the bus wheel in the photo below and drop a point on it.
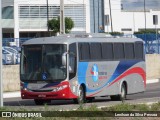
(41, 102)
(122, 96)
(81, 96)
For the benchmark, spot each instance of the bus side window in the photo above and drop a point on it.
(119, 51)
(84, 51)
(129, 51)
(107, 51)
(95, 51)
(72, 60)
(139, 50)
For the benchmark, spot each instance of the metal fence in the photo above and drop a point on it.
(152, 42)
(14, 41)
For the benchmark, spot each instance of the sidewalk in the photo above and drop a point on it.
(18, 94)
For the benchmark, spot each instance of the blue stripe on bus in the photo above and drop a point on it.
(82, 69)
(121, 68)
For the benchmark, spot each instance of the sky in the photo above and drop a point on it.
(139, 4)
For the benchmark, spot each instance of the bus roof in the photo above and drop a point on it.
(71, 39)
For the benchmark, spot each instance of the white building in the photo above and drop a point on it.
(129, 21)
(28, 18)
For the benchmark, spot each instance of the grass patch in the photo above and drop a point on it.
(90, 108)
(83, 108)
(142, 107)
(120, 107)
(155, 107)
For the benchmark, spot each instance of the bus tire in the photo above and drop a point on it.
(122, 96)
(41, 102)
(81, 96)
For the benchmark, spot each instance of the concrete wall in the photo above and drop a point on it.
(153, 66)
(10, 75)
(11, 80)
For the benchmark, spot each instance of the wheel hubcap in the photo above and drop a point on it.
(123, 93)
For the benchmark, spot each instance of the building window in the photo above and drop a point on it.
(7, 12)
(37, 15)
(126, 29)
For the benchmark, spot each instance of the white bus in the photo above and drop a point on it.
(81, 68)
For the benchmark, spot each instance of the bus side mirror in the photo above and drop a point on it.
(64, 59)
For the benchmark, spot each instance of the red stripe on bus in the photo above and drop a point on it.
(136, 70)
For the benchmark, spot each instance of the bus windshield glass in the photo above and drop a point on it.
(43, 62)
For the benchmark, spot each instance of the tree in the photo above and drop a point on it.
(54, 24)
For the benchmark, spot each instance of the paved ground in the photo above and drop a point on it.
(17, 93)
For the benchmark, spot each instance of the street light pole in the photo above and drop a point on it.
(47, 19)
(145, 23)
(145, 13)
(1, 82)
(110, 15)
(62, 19)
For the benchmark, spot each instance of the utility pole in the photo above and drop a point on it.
(94, 15)
(1, 82)
(84, 24)
(110, 15)
(62, 19)
(145, 13)
(47, 18)
(145, 24)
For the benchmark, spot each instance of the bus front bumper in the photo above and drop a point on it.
(63, 94)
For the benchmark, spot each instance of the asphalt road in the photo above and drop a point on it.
(152, 94)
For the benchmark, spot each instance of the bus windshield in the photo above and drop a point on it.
(43, 62)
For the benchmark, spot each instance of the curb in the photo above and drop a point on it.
(152, 81)
(11, 94)
(18, 94)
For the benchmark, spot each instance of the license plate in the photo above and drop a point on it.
(41, 95)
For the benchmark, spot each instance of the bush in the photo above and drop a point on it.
(146, 32)
(116, 33)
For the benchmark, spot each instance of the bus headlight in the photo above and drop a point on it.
(59, 88)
